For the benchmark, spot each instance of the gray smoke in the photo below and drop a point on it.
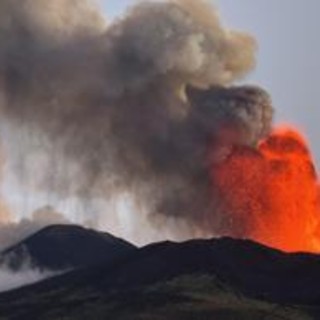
(143, 105)
(10, 280)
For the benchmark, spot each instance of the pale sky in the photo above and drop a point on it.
(289, 49)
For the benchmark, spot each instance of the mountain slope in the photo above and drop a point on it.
(60, 247)
(257, 270)
(187, 298)
(222, 279)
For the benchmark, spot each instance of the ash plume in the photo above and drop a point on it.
(143, 105)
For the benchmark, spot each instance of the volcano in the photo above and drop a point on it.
(145, 125)
(218, 278)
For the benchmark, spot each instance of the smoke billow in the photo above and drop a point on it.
(15, 279)
(143, 105)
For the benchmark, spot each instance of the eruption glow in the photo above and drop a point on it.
(272, 193)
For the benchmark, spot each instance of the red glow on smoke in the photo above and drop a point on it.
(272, 194)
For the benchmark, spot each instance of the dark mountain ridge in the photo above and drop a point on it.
(60, 247)
(253, 269)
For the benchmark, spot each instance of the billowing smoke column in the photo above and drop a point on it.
(144, 105)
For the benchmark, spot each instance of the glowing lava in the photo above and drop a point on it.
(272, 194)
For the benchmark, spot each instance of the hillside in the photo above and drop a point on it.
(198, 279)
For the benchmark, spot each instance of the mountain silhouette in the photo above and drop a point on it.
(61, 247)
(202, 275)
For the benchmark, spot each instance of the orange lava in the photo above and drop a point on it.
(272, 194)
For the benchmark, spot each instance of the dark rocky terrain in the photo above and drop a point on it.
(199, 279)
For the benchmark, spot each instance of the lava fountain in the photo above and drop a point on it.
(271, 193)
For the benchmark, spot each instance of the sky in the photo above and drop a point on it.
(288, 57)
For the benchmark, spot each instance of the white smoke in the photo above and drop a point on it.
(15, 279)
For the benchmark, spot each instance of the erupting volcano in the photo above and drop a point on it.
(271, 194)
(146, 106)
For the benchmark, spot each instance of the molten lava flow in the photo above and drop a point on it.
(272, 193)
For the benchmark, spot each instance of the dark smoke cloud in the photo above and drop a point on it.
(143, 105)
